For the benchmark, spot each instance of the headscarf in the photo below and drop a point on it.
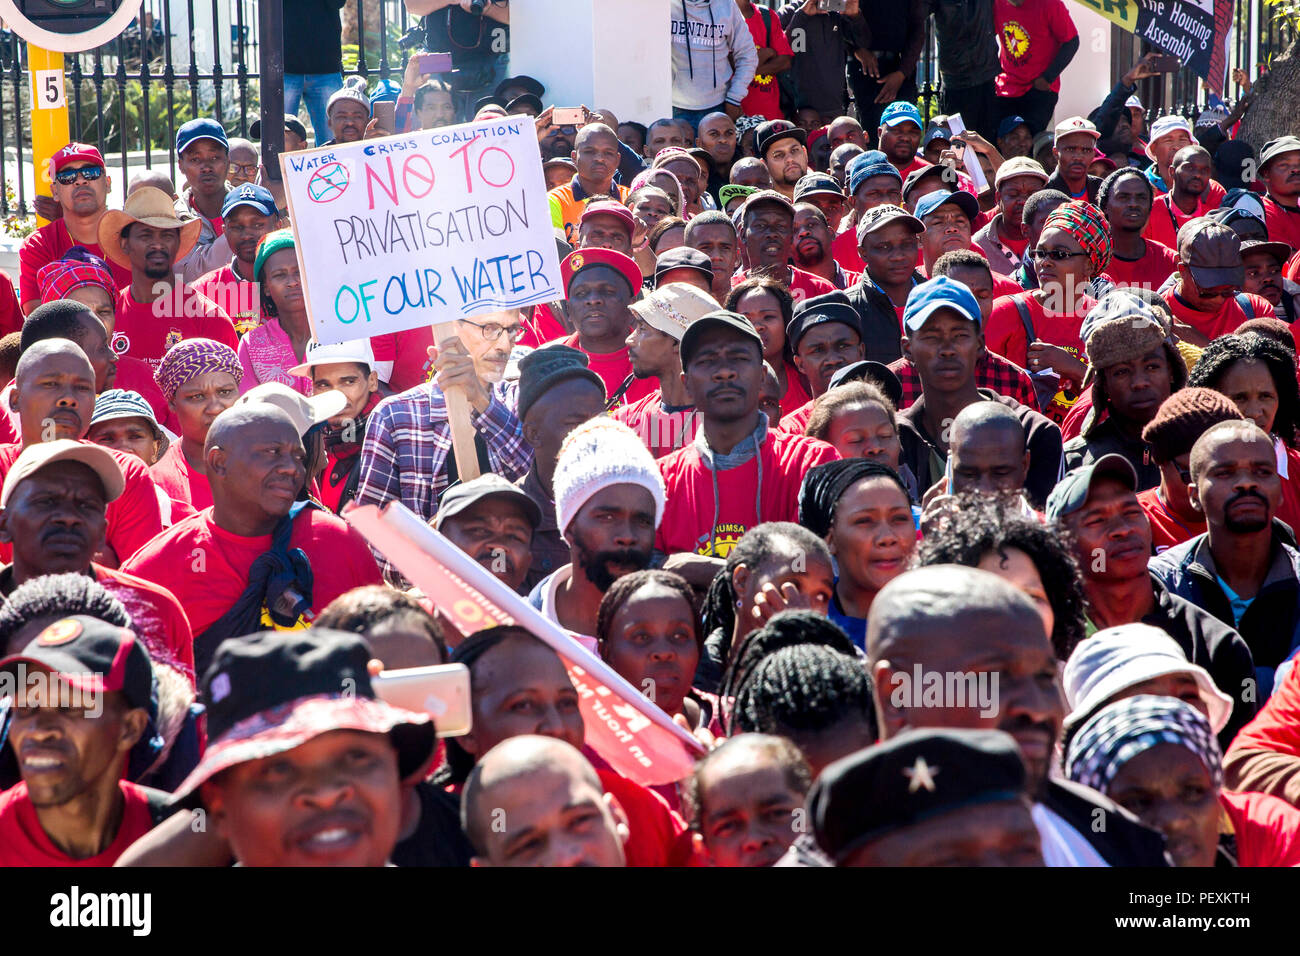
(271, 243)
(647, 178)
(1131, 726)
(78, 267)
(824, 485)
(1085, 222)
(191, 358)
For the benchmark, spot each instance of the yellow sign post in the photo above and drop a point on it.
(49, 113)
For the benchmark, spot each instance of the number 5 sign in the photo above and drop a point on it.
(47, 90)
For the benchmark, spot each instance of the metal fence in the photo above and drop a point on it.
(187, 58)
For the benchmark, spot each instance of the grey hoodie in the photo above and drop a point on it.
(714, 57)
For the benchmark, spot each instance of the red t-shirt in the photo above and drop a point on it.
(543, 327)
(156, 616)
(134, 518)
(1072, 424)
(1167, 528)
(844, 250)
(238, 298)
(1267, 829)
(137, 376)
(45, 245)
(694, 518)
(917, 163)
(1283, 223)
(1006, 335)
(1030, 36)
(653, 827)
(11, 314)
(797, 420)
(1166, 219)
(1225, 321)
(409, 352)
(796, 394)
(802, 285)
(613, 369)
(662, 431)
(764, 96)
(23, 841)
(148, 331)
(206, 567)
(1157, 264)
(173, 474)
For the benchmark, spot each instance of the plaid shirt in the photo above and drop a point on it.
(408, 439)
(991, 371)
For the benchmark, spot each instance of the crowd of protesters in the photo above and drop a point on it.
(957, 526)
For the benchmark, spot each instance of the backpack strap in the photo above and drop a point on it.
(766, 14)
(1243, 301)
(1025, 319)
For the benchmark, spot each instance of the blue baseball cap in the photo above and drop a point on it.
(900, 112)
(941, 292)
(958, 197)
(859, 173)
(1009, 123)
(197, 129)
(258, 197)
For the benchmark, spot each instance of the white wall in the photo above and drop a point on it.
(1086, 81)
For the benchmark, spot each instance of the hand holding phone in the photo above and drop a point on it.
(441, 691)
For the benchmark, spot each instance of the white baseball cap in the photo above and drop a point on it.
(1074, 124)
(353, 350)
(304, 411)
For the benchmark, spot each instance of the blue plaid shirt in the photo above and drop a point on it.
(408, 440)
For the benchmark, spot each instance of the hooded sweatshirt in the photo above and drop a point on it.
(708, 35)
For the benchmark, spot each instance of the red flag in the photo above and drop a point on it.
(634, 736)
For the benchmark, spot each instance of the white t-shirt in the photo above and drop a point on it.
(1063, 845)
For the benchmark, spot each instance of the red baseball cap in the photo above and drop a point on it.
(607, 207)
(581, 259)
(75, 153)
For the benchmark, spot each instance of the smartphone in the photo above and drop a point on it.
(568, 116)
(1166, 63)
(431, 63)
(832, 6)
(386, 113)
(441, 691)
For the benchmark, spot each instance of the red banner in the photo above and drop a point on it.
(634, 736)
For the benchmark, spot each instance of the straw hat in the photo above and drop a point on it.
(153, 207)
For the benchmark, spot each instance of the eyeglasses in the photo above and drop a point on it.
(1218, 292)
(492, 331)
(248, 169)
(1056, 255)
(66, 177)
(1184, 474)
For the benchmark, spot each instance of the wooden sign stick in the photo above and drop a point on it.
(458, 409)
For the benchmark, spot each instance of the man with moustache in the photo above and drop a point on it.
(492, 521)
(247, 214)
(811, 247)
(1241, 570)
(949, 620)
(600, 285)
(767, 235)
(781, 146)
(1003, 240)
(1263, 262)
(900, 137)
(1074, 143)
(1279, 167)
(1190, 170)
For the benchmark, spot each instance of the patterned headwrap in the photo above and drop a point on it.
(1123, 730)
(1085, 222)
(191, 358)
(78, 267)
(648, 177)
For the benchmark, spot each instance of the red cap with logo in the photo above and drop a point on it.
(75, 153)
(581, 259)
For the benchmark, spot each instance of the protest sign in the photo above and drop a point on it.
(1195, 31)
(635, 737)
(422, 228)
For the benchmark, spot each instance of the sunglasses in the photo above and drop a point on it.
(66, 177)
(1218, 292)
(1056, 255)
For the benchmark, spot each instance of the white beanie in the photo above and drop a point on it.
(595, 455)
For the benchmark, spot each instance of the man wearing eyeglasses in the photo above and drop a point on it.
(1206, 297)
(80, 187)
(408, 450)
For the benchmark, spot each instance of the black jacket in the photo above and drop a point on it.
(882, 336)
(313, 36)
(1057, 181)
(1042, 438)
(1106, 438)
(1113, 832)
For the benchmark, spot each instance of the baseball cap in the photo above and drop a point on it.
(1074, 124)
(306, 412)
(915, 776)
(1009, 123)
(1243, 200)
(461, 496)
(917, 175)
(580, 259)
(671, 308)
(683, 257)
(900, 111)
(1134, 102)
(718, 318)
(353, 350)
(523, 82)
(957, 197)
(291, 123)
(75, 153)
(1163, 127)
(876, 373)
(1042, 140)
(1212, 251)
(941, 292)
(1117, 658)
(1019, 166)
(830, 307)
(35, 457)
(935, 132)
(270, 692)
(765, 196)
(197, 129)
(526, 99)
(1278, 250)
(248, 194)
(607, 207)
(1277, 147)
(877, 217)
(92, 655)
(1071, 492)
(545, 367)
(816, 184)
(773, 131)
